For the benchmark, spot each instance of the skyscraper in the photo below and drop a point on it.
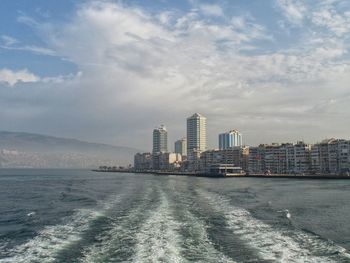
(160, 139)
(230, 139)
(181, 146)
(196, 135)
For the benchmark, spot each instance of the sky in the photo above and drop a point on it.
(112, 71)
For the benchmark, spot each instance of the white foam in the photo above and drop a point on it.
(271, 244)
(204, 247)
(158, 239)
(121, 229)
(49, 241)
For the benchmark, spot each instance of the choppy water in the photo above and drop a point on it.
(81, 216)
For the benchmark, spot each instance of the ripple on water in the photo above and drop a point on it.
(281, 245)
(50, 240)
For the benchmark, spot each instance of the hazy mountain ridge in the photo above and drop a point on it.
(20, 149)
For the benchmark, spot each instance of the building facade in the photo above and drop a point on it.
(160, 140)
(181, 147)
(230, 139)
(196, 136)
(283, 158)
(237, 156)
(331, 156)
(256, 159)
(143, 161)
(170, 161)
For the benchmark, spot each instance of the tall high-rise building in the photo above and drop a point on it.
(196, 135)
(230, 139)
(160, 140)
(181, 147)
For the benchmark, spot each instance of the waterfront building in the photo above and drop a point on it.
(143, 161)
(315, 159)
(230, 139)
(160, 139)
(181, 147)
(283, 158)
(237, 156)
(344, 156)
(256, 159)
(302, 158)
(156, 160)
(166, 161)
(196, 136)
(331, 156)
(170, 161)
(273, 161)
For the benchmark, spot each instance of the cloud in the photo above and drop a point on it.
(12, 77)
(8, 41)
(211, 10)
(337, 23)
(138, 72)
(32, 49)
(294, 10)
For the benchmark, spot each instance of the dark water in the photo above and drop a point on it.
(81, 216)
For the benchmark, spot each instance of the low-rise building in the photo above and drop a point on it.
(280, 158)
(237, 156)
(170, 161)
(256, 159)
(331, 156)
(143, 161)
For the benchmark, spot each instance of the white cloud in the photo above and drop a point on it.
(33, 49)
(8, 41)
(294, 10)
(12, 77)
(211, 10)
(332, 20)
(139, 72)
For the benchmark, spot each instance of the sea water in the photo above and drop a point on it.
(84, 216)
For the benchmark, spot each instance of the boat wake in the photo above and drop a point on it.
(158, 239)
(277, 245)
(118, 241)
(50, 240)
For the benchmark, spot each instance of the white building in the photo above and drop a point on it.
(230, 139)
(196, 136)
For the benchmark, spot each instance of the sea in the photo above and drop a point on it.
(85, 216)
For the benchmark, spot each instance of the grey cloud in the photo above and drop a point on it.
(137, 73)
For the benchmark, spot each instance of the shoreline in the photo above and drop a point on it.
(288, 176)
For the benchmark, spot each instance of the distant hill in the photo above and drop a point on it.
(20, 149)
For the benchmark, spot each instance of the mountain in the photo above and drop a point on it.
(20, 149)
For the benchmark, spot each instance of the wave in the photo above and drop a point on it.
(49, 241)
(117, 243)
(158, 239)
(278, 245)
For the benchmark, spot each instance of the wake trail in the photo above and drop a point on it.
(117, 243)
(277, 245)
(197, 245)
(158, 239)
(50, 240)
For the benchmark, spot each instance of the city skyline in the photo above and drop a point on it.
(277, 70)
(330, 156)
(225, 140)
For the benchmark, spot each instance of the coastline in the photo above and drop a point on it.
(288, 176)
